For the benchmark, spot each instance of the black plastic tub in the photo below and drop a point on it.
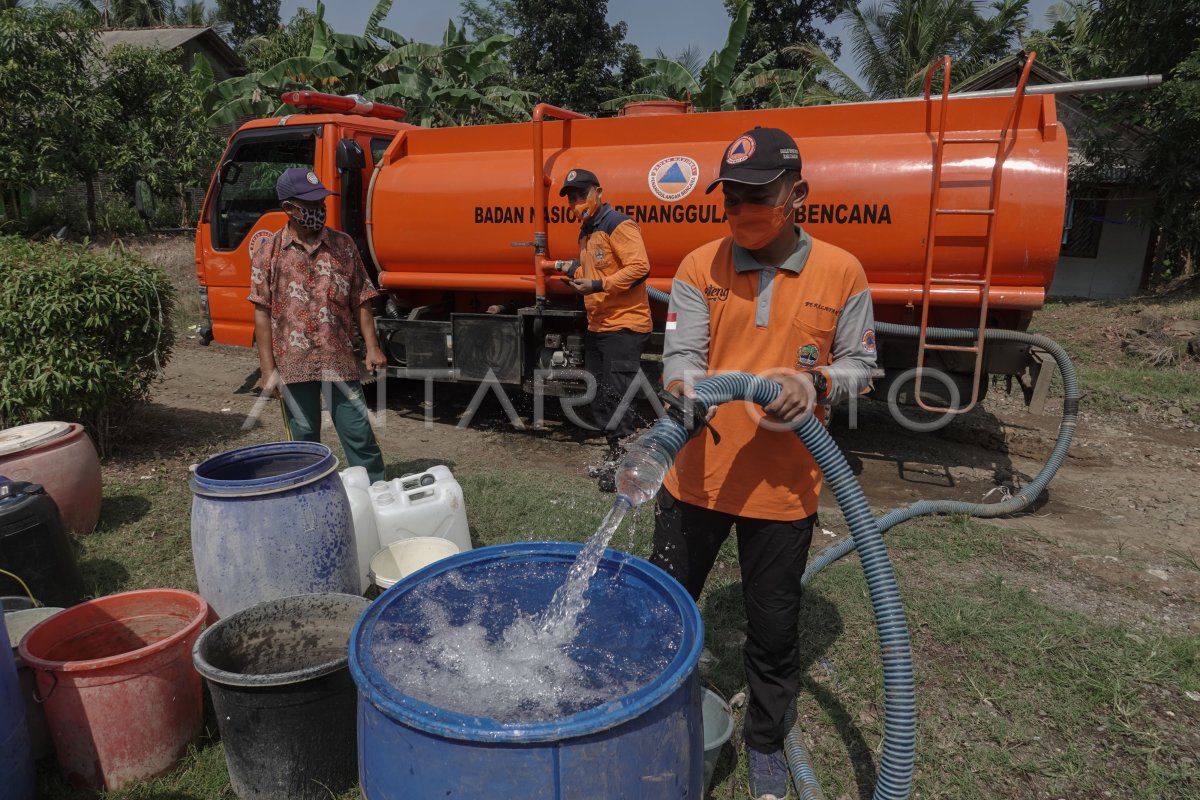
(35, 547)
(283, 695)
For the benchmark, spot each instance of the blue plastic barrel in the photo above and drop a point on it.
(16, 759)
(271, 521)
(647, 744)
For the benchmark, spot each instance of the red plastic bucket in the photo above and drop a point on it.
(115, 675)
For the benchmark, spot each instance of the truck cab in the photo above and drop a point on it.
(241, 211)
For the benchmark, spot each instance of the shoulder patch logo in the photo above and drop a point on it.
(673, 178)
(741, 149)
(869, 340)
(258, 239)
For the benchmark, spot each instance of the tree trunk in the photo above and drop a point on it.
(90, 184)
(10, 210)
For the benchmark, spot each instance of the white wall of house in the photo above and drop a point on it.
(1116, 271)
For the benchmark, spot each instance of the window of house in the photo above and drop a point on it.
(1084, 222)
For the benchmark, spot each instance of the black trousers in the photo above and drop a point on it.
(772, 555)
(613, 358)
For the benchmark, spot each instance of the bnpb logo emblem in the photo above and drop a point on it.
(740, 150)
(673, 178)
(257, 240)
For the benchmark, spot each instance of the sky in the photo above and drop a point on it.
(652, 24)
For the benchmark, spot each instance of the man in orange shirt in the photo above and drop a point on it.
(611, 276)
(772, 300)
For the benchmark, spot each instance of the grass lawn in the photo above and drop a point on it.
(1017, 698)
(1093, 333)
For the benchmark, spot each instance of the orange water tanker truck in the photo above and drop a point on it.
(953, 203)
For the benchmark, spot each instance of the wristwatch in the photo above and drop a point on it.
(820, 382)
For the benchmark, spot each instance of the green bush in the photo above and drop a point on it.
(115, 214)
(48, 214)
(84, 332)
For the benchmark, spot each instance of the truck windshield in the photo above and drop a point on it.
(246, 190)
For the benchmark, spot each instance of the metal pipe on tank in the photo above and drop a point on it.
(1127, 83)
(540, 183)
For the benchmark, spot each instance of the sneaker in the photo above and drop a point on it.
(768, 775)
(607, 481)
(613, 456)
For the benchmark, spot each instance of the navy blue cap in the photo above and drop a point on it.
(758, 156)
(298, 183)
(578, 179)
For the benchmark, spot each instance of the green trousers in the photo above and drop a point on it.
(302, 420)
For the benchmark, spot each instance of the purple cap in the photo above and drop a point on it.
(300, 184)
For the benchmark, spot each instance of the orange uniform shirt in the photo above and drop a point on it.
(612, 253)
(730, 314)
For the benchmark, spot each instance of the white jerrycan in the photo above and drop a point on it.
(428, 503)
(366, 535)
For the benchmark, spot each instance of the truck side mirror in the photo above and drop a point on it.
(350, 156)
(230, 171)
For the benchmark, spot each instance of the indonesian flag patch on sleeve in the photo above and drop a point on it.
(672, 320)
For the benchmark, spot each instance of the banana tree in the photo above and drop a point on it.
(458, 83)
(788, 88)
(335, 62)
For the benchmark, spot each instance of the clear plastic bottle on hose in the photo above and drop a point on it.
(642, 471)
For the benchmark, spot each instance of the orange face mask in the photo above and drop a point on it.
(586, 208)
(754, 225)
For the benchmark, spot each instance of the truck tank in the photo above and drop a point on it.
(453, 210)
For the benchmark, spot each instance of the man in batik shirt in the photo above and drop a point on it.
(309, 286)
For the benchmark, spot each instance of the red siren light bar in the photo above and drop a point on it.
(319, 101)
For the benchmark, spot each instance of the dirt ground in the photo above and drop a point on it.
(1115, 536)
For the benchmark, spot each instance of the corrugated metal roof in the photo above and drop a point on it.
(166, 38)
(174, 38)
